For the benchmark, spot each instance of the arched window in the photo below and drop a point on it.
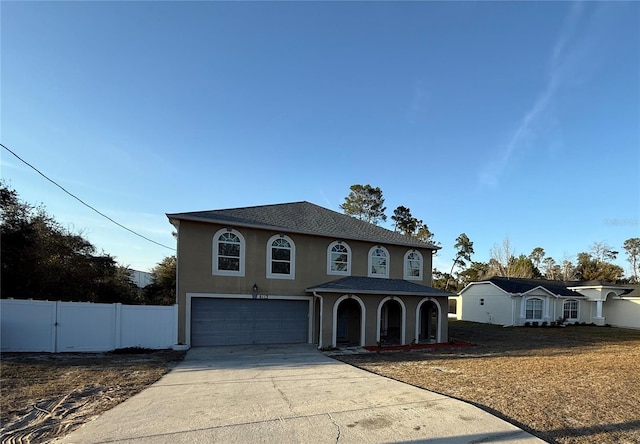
(533, 309)
(339, 258)
(228, 253)
(378, 262)
(281, 257)
(413, 265)
(570, 310)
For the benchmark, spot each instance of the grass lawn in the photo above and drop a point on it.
(564, 385)
(45, 395)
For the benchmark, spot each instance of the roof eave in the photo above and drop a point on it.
(600, 287)
(376, 292)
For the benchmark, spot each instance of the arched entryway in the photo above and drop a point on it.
(428, 321)
(391, 321)
(348, 324)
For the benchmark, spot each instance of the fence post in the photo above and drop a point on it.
(175, 323)
(117, 312)
(56, 326)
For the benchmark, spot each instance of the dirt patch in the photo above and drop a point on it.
(565, 385)
(46, 395)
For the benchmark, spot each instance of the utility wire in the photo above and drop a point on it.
(83, 202)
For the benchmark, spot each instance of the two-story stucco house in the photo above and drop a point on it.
(300, 273)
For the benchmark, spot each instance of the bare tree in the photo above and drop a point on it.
(632, 247)
(602, 252)
(568, 269)
(551, 269)
(501, 258)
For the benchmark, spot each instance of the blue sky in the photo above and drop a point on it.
(496, 119)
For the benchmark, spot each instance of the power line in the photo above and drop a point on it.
(83, 202)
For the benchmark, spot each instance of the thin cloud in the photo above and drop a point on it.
(563, 58)
(521, 137)
(569, 30)
(326, 200)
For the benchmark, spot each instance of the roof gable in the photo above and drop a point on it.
(481, 283)
(304, 218)
(539, 291)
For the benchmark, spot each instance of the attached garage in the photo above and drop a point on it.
(230, 321)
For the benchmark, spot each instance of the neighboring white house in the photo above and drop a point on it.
(141, 278)
(516, 301)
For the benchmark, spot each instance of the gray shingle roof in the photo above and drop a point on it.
(560, 288)
(367, 285)
(520, 285)
(303, 217)
(634, 291)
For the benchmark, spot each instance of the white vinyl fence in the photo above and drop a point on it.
(45, 326)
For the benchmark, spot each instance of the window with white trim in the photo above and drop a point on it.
(413, 265)
(378, 262)
(533, 309)
(281, 257)
(228, 253)
(339, 258)
(570, 309)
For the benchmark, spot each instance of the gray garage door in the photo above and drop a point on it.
(248, 321)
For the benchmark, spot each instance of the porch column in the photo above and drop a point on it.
(599, 319)
(547, 303)
(522, 311)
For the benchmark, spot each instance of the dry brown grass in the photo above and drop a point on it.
(47, 395)
(565, 385)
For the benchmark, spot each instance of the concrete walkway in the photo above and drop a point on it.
(288, 394)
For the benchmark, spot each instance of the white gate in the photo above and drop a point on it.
(45, 326)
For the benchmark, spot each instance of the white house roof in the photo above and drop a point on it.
(520, 286)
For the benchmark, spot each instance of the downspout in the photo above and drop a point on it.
(176, 224)
(320, 320)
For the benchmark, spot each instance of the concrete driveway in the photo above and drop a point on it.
(288, 394)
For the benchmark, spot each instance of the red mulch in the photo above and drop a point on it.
(409, 347)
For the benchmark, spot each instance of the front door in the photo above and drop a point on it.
(429, 322)
(348, 323)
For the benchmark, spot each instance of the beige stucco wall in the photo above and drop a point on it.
(371, 304)
(195, 265)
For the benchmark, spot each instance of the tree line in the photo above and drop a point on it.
(367, 203)
(43, 260)
(594, 264)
